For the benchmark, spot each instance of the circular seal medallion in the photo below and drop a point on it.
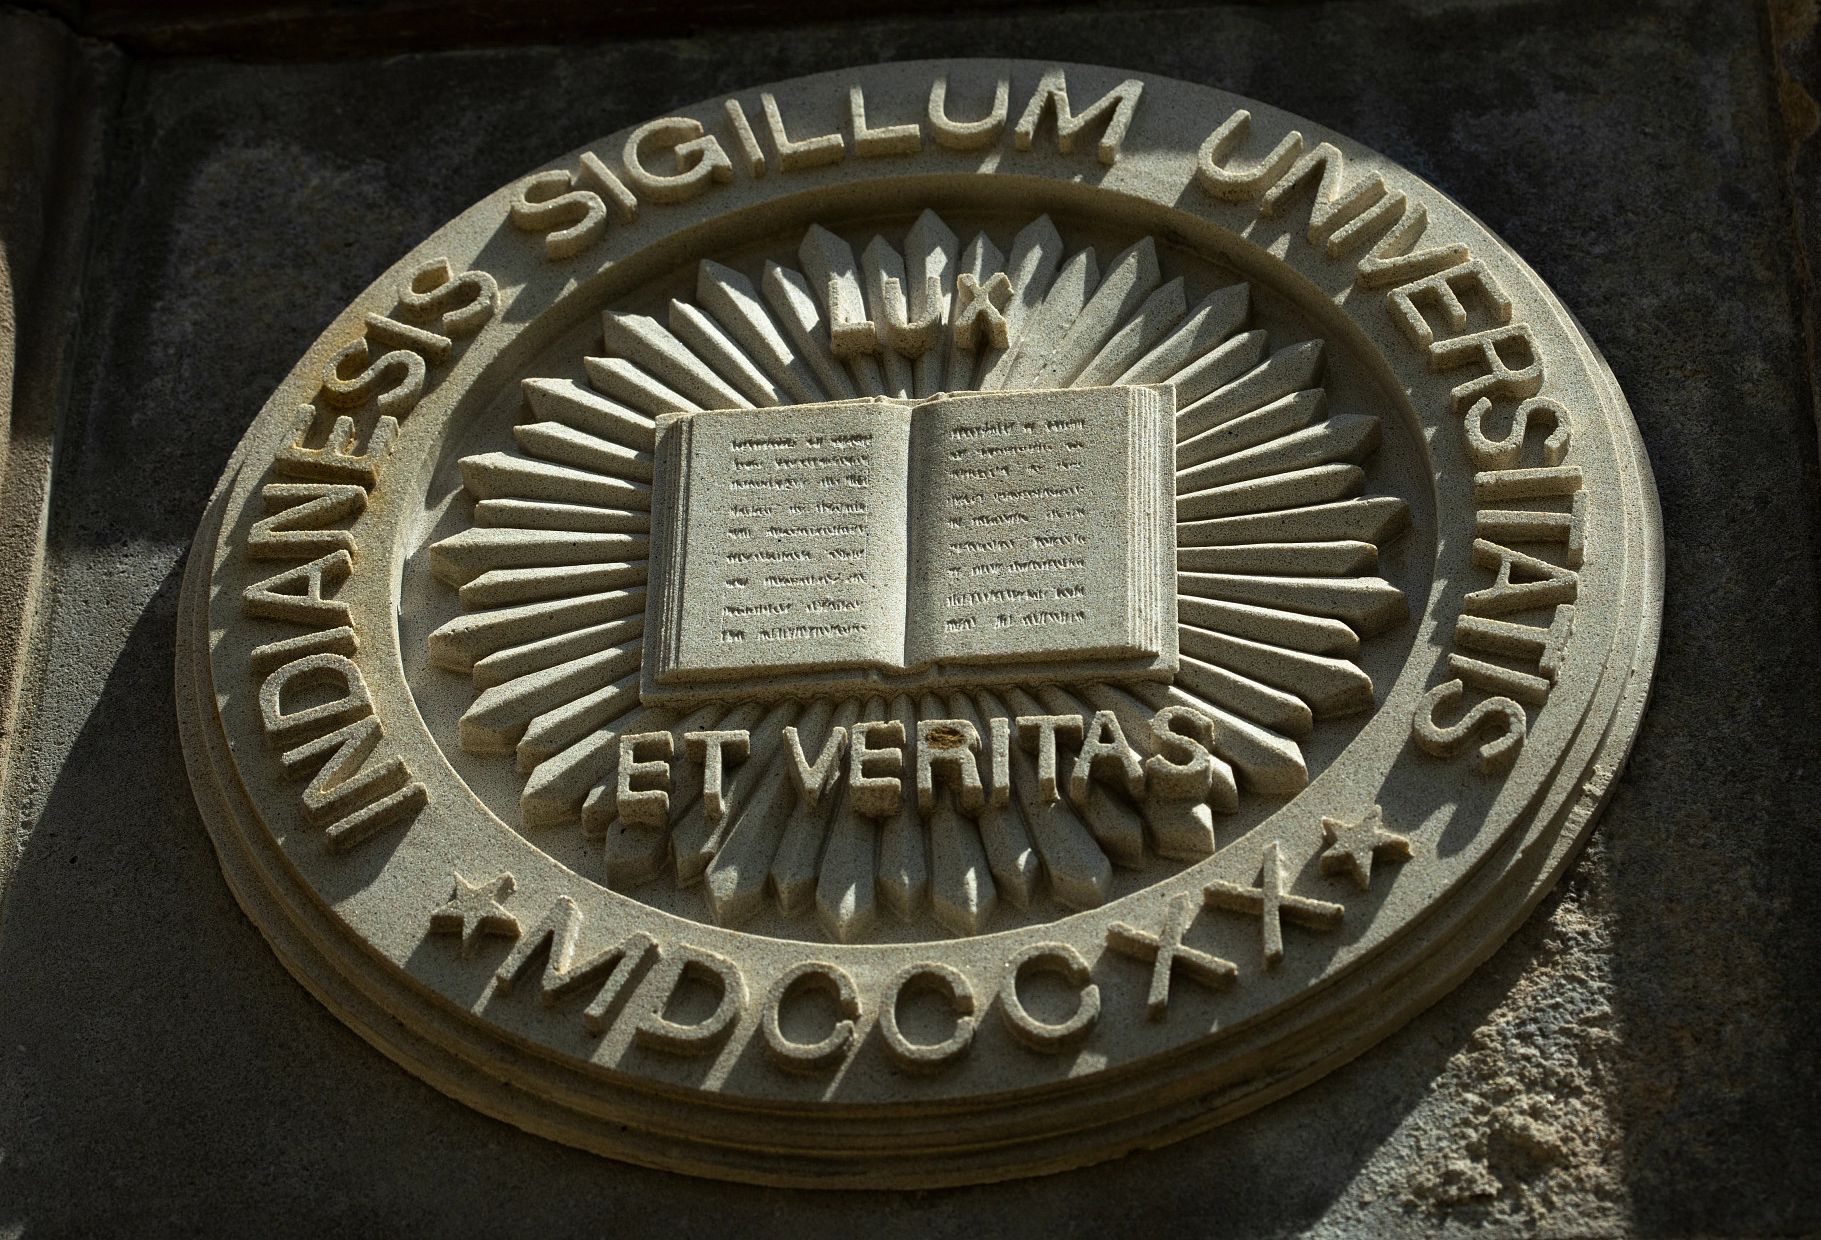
(919, 625)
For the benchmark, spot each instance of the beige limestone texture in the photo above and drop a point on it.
(416, 912)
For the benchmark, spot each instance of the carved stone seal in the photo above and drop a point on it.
(919, 625)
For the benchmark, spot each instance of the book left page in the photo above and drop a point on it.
(783, 546)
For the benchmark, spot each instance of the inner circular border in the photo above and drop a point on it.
(792, 213)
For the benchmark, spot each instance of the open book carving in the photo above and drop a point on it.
(888, 545)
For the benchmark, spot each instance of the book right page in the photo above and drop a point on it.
(1026, 535)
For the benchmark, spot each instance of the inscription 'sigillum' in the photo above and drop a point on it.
(872, 581)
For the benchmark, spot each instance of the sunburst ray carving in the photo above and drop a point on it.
(1277, 583)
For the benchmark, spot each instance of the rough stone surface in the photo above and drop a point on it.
(1639, 1057)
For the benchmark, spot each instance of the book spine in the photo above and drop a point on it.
(671, 504)
(1149, 472)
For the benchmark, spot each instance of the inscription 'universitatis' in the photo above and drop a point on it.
(980, 538)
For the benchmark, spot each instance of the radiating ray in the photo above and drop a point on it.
(799, 309)
(1180, 833)
(462, 557)
(1368, 604)
(649, 345)
(1009, 854)
(1347, 438)
(632, 856)
(1288, 370)
(464, 639)
(1036, 257)
(1217, 368)
(1114, 825)
(564, 445)
(1161, 311)
(1129, 280)
(515, 661)
(702, 334)
(793, 866)
(556, 730)
(1315, 559)
(1292, 630)
(880, 261)
(500, 587)
(962, 892)
(1045, 325)
(496, 720)
(846, 879)
(846, 902)
(1180, 830)
(1330, 686)
(735, 304)
(834, 281)
(1080, 874)
(1281, 417)
(1269, 763)
(737, 876)
(961, 888)
(557, 785)
(691, 832)
(500, 475)
(537, 515)
(1214, 318)
(696, 840)
(562, 400)
(1319, 485)
(1281, 712)
(1375, 519)
(621, 379)
(1134, 715)
(903, 859)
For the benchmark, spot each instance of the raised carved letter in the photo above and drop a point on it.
(1117, 106)
(949, 743)
(1271, 902)
(1497, 752)
(967, 135)
(700, 159)
(1238, 184)
(927, 1056)
(819, 1056)
(878, 792)
(712, 750)
(1165, 953)
(611, 967)
(659, 1032)
(1041, 731)
(885, 140)
(1042, 1035)
(647, 806)
(828, 148)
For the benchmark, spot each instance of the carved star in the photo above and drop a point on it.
(1352, 846)
(474, 909)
